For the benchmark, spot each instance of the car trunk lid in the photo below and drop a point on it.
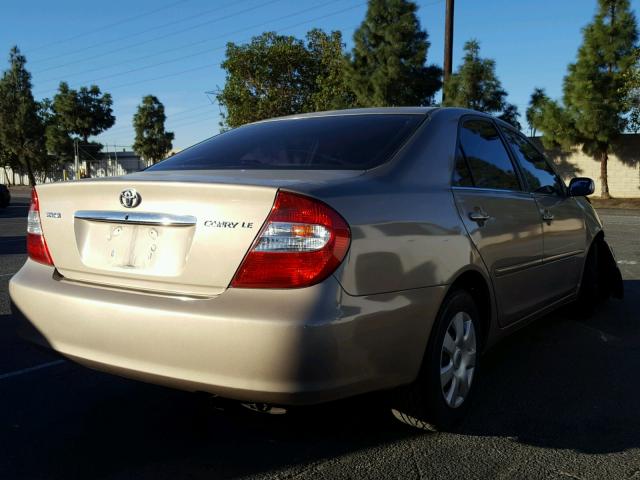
(184, 238)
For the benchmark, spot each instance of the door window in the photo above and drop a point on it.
(486, 156)
(462, 174)
(538, 173)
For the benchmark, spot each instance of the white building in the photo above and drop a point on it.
(107, 164)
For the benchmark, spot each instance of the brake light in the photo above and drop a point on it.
(36, 244)
(302, 242)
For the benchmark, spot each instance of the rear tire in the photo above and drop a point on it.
(440, 397)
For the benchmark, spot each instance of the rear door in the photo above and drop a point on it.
(501, 217)
(562, 218)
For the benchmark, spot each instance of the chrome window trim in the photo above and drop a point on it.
(136, 218)
(494, 190)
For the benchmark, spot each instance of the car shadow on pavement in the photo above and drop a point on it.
(561, 383)
(13, 245)
(566, 383)
(101, 426)
(16, 209)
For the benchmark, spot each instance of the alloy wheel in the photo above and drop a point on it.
(458, 359)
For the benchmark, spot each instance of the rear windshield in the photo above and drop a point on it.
(347, 142)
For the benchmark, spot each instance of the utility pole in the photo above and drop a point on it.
(448, 42)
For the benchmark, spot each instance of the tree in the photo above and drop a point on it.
(388, 62)
(595, 109)
(631, 93)
(534, 110)
(270, 76)
(475, 85)
(58, 141)
(329, 64)
(276, 75)
(81, 113)
(152, 141)
(8, 160)
(21, 129)
(510, 115)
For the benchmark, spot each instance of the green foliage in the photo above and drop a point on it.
(595, 109)
(510, 115)
(21, 128)
(554, 118)
(331, 92)
(630, 91)
(475, 85)
(58, 142)
(77, 113)
(270, 76)
(152, 141)
(534, 110)
(388, 62)
(83, 112)
(276, 75)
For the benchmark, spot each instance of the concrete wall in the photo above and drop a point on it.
(623, 167)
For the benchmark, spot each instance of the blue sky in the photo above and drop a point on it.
(173, 48)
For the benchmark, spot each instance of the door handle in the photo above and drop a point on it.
(479, 216)
(547, 216)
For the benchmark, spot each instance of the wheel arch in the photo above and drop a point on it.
(479, 287)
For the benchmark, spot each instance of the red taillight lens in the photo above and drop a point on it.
(36, 244)
(302, 242)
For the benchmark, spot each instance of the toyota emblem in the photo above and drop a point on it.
(129, 198)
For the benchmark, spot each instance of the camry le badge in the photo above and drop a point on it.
(129, 198)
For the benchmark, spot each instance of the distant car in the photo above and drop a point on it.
(5, 196)
(305, 259)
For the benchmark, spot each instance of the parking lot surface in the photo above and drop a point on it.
(560, 399)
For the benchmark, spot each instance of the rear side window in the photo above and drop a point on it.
(539, 175)
(462, 174)
(346, 142)
(486, 156)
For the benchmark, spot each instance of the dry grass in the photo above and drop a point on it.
(624, 203)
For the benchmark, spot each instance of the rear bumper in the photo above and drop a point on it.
(276, 346)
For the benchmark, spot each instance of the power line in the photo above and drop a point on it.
(169, 121)
(182, 47)
(213, 65)
(170, 118)
(144, 42)
(191, 121)
(210, 50)
(106, 27)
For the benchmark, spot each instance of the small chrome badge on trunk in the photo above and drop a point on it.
(54, 215)
(129, 198)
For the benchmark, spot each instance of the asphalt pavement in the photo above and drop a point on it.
(558, 400)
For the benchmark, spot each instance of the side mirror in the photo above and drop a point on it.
(581, 187)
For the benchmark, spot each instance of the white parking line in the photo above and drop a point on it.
(31, 369)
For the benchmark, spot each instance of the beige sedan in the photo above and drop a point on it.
(305, 259)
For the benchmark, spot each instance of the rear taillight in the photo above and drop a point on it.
(36, 244)
(302, 242)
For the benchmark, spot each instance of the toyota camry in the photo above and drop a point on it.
(306, 259)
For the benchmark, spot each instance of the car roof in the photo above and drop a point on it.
(459, 111)
(358, 111)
